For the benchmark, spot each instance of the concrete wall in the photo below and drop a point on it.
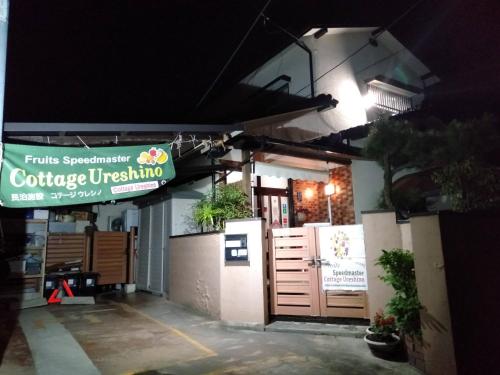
(184, 197)
(422, 236)
(406, 238)
(430, 272)
(195, 272)
(381, 232)
(244, 285)
(367, 183)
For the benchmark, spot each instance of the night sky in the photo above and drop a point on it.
(152, 61)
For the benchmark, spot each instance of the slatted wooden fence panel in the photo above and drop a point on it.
(65, 247)
(346, 304)
(294, 286)
(110, 257)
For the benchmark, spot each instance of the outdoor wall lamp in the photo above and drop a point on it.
(308, 193)
(330, 190)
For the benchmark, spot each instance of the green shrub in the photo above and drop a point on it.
(228, 203)
(399, 269)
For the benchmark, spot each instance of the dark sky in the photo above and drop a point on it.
(151, 60)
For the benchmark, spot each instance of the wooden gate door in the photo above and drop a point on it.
(293, 276)
(110, 257)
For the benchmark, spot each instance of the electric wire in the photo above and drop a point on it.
(232, 55)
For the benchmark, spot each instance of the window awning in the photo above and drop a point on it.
(272, 170)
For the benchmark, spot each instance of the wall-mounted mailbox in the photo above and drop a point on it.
(236, 247)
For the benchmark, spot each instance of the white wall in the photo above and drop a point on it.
(184, 197)
(367, 183)
(345, 83)
(106, 211)
(243, 287)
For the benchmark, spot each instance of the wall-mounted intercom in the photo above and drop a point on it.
(236, 247)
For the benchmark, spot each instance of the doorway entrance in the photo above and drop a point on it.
(295, 279)
(274, 205)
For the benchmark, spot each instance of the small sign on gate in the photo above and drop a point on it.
(342, 250)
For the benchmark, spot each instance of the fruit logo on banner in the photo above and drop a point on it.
(343, 248)
(153, 156)
(41, 176)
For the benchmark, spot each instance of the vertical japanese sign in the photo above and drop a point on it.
(343, 248)
(285, 223)
(40, 176)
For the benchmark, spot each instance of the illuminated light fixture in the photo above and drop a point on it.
(369, 100)
(330, 189)
(308, 193)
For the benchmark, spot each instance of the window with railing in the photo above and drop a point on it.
(390, 101)
(390, 95)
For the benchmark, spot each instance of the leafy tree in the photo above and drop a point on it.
(461, 153)
(386, 144)
(468, 175)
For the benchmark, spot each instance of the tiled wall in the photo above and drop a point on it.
(315, 209)
(310, 210)
(343, 200)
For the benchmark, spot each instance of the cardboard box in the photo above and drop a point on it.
(83, 215)
(57, 227)
(17, 266)
(41, 214)
(80, 226)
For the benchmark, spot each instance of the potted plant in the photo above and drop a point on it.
(399, 269)
(382, 335)
(228, 202)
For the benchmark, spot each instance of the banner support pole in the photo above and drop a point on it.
(4, 26)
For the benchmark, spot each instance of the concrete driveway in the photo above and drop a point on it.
(144, 334)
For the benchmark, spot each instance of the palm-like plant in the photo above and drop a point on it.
(229, 202)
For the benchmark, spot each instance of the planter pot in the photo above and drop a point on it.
(382, 346)
(391, 350)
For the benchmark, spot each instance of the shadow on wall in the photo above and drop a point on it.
(470, 246)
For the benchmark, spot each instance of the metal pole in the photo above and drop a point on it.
(4, 25)
(330, 218)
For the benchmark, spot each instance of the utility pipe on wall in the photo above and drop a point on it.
(302, 45)
(4, 25)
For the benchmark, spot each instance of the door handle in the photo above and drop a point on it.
(310, 259)
(321, 262)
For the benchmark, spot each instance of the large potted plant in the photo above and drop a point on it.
(228, 202)
(381, 336)
(399, 272)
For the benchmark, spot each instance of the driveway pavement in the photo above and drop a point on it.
(144, 334)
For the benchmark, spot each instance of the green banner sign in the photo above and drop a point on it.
(41, 176)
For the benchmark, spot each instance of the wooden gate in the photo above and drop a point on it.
(110, 257)
(295, 278)
(294, 282)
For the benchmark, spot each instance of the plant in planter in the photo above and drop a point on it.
(399, 269)
(382, 335)
(228, 202)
